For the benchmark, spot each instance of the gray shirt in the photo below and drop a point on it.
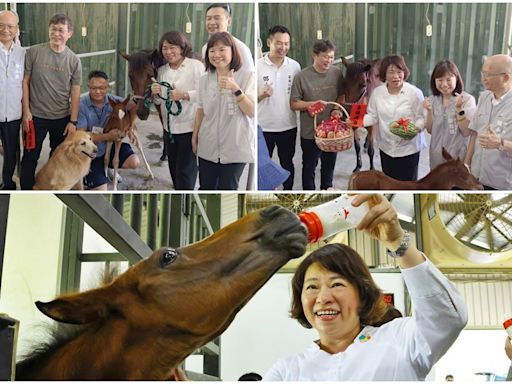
(491, 166)
(445, 129)
(11, 82)
(51, 76)
(310, 85)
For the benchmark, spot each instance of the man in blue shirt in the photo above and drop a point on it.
(95, 111)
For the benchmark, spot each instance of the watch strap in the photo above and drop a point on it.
(404, 245)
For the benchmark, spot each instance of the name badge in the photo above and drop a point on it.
(97, 130)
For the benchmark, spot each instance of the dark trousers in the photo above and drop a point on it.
(30, 157)
(182, 161)
(488, 188)
(217, 176)
(10, 135)
(400, 168)
(285, 143)
(310, 156)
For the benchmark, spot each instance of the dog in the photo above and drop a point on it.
(69, 164)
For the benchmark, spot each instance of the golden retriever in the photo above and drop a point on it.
(69, 164)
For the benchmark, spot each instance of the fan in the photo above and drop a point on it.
(295, 202)
(482, 223)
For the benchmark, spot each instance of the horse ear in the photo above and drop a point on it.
(111, 102)
(367, 67)
(127, 100)
(125, 55)
(446, 155)
(81, 308)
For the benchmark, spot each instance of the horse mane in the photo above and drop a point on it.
(57, 335)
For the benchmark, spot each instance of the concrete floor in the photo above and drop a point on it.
(150, 135)
(346, 162)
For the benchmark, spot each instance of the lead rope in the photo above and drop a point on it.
(168, 105)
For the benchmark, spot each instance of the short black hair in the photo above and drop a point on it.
(278, 29)
(323, 45)
(226, 7)
(97, 73)
(251, 376)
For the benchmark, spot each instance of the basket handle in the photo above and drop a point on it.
(336, 104)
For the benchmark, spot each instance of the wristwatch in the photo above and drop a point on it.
(502, 145)
(404, 245)
(74, 122)
(237, 93)
(461, 112)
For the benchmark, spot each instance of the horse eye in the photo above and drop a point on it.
(169, 256)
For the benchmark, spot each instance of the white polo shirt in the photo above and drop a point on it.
(274, 112)
(384, 108)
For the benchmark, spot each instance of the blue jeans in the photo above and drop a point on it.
(310, 156)
(10, 134)
(217, 176)
(285, 143)
(30, 157)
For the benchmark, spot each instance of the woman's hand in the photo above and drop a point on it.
(228, 82)
(381, 221)
(427, 104)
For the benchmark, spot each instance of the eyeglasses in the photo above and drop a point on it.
(98, 88)
(491, 74)
(9, 27)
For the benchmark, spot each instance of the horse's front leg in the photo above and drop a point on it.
(115, 162)
(106, 159)
(139, 147)
(369, 144)
(357, 147)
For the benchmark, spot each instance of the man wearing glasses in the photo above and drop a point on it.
(95, 112)
(12, 59)
(492, 159)
(51, 93)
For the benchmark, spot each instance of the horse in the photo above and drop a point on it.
(452, 173)
(144, 323)
(142, 69)
(123, 119)
(357, 86)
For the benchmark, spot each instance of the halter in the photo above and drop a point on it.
(168, 103)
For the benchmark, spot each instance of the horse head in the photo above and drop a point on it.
(458, 173)
(119, 112)
(166, 306)
(141, 70)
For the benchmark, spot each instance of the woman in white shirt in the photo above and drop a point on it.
(224, 134)
(182, 74)
(449, 111)
(334, 292)
(389, 102)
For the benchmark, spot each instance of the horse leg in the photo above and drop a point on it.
(115, 163)
(164, 149)
(106, 159)
(139, 147)
(369, 143)
(357, 147)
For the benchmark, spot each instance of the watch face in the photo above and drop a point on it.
(461, 113)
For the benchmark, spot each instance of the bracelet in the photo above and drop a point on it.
(240, 97)
(461, 118)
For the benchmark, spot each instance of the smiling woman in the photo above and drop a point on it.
(334, 293)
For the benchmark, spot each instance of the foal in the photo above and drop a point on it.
(143, 324)
(356, 88)
(450, 174)
(122, 119)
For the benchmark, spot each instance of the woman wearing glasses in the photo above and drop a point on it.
(392, 104)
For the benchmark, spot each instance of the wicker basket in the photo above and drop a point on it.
(336, 144)
(403, 128)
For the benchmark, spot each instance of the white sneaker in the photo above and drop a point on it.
(110, 175)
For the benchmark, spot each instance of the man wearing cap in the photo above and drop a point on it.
(12, 59)
(218, 19)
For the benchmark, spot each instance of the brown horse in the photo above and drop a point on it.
(357, 86)
(142, 68)
(448, 175)
(150, 318)
(123, 119)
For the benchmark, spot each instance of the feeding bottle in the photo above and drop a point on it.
(332, 217)
(507, 324)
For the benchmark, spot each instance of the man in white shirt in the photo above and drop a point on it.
(492, 159)
(275, 77)
(218, 19)
(12, 59)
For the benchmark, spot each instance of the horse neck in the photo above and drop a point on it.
(113, 351)
(441, 177)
